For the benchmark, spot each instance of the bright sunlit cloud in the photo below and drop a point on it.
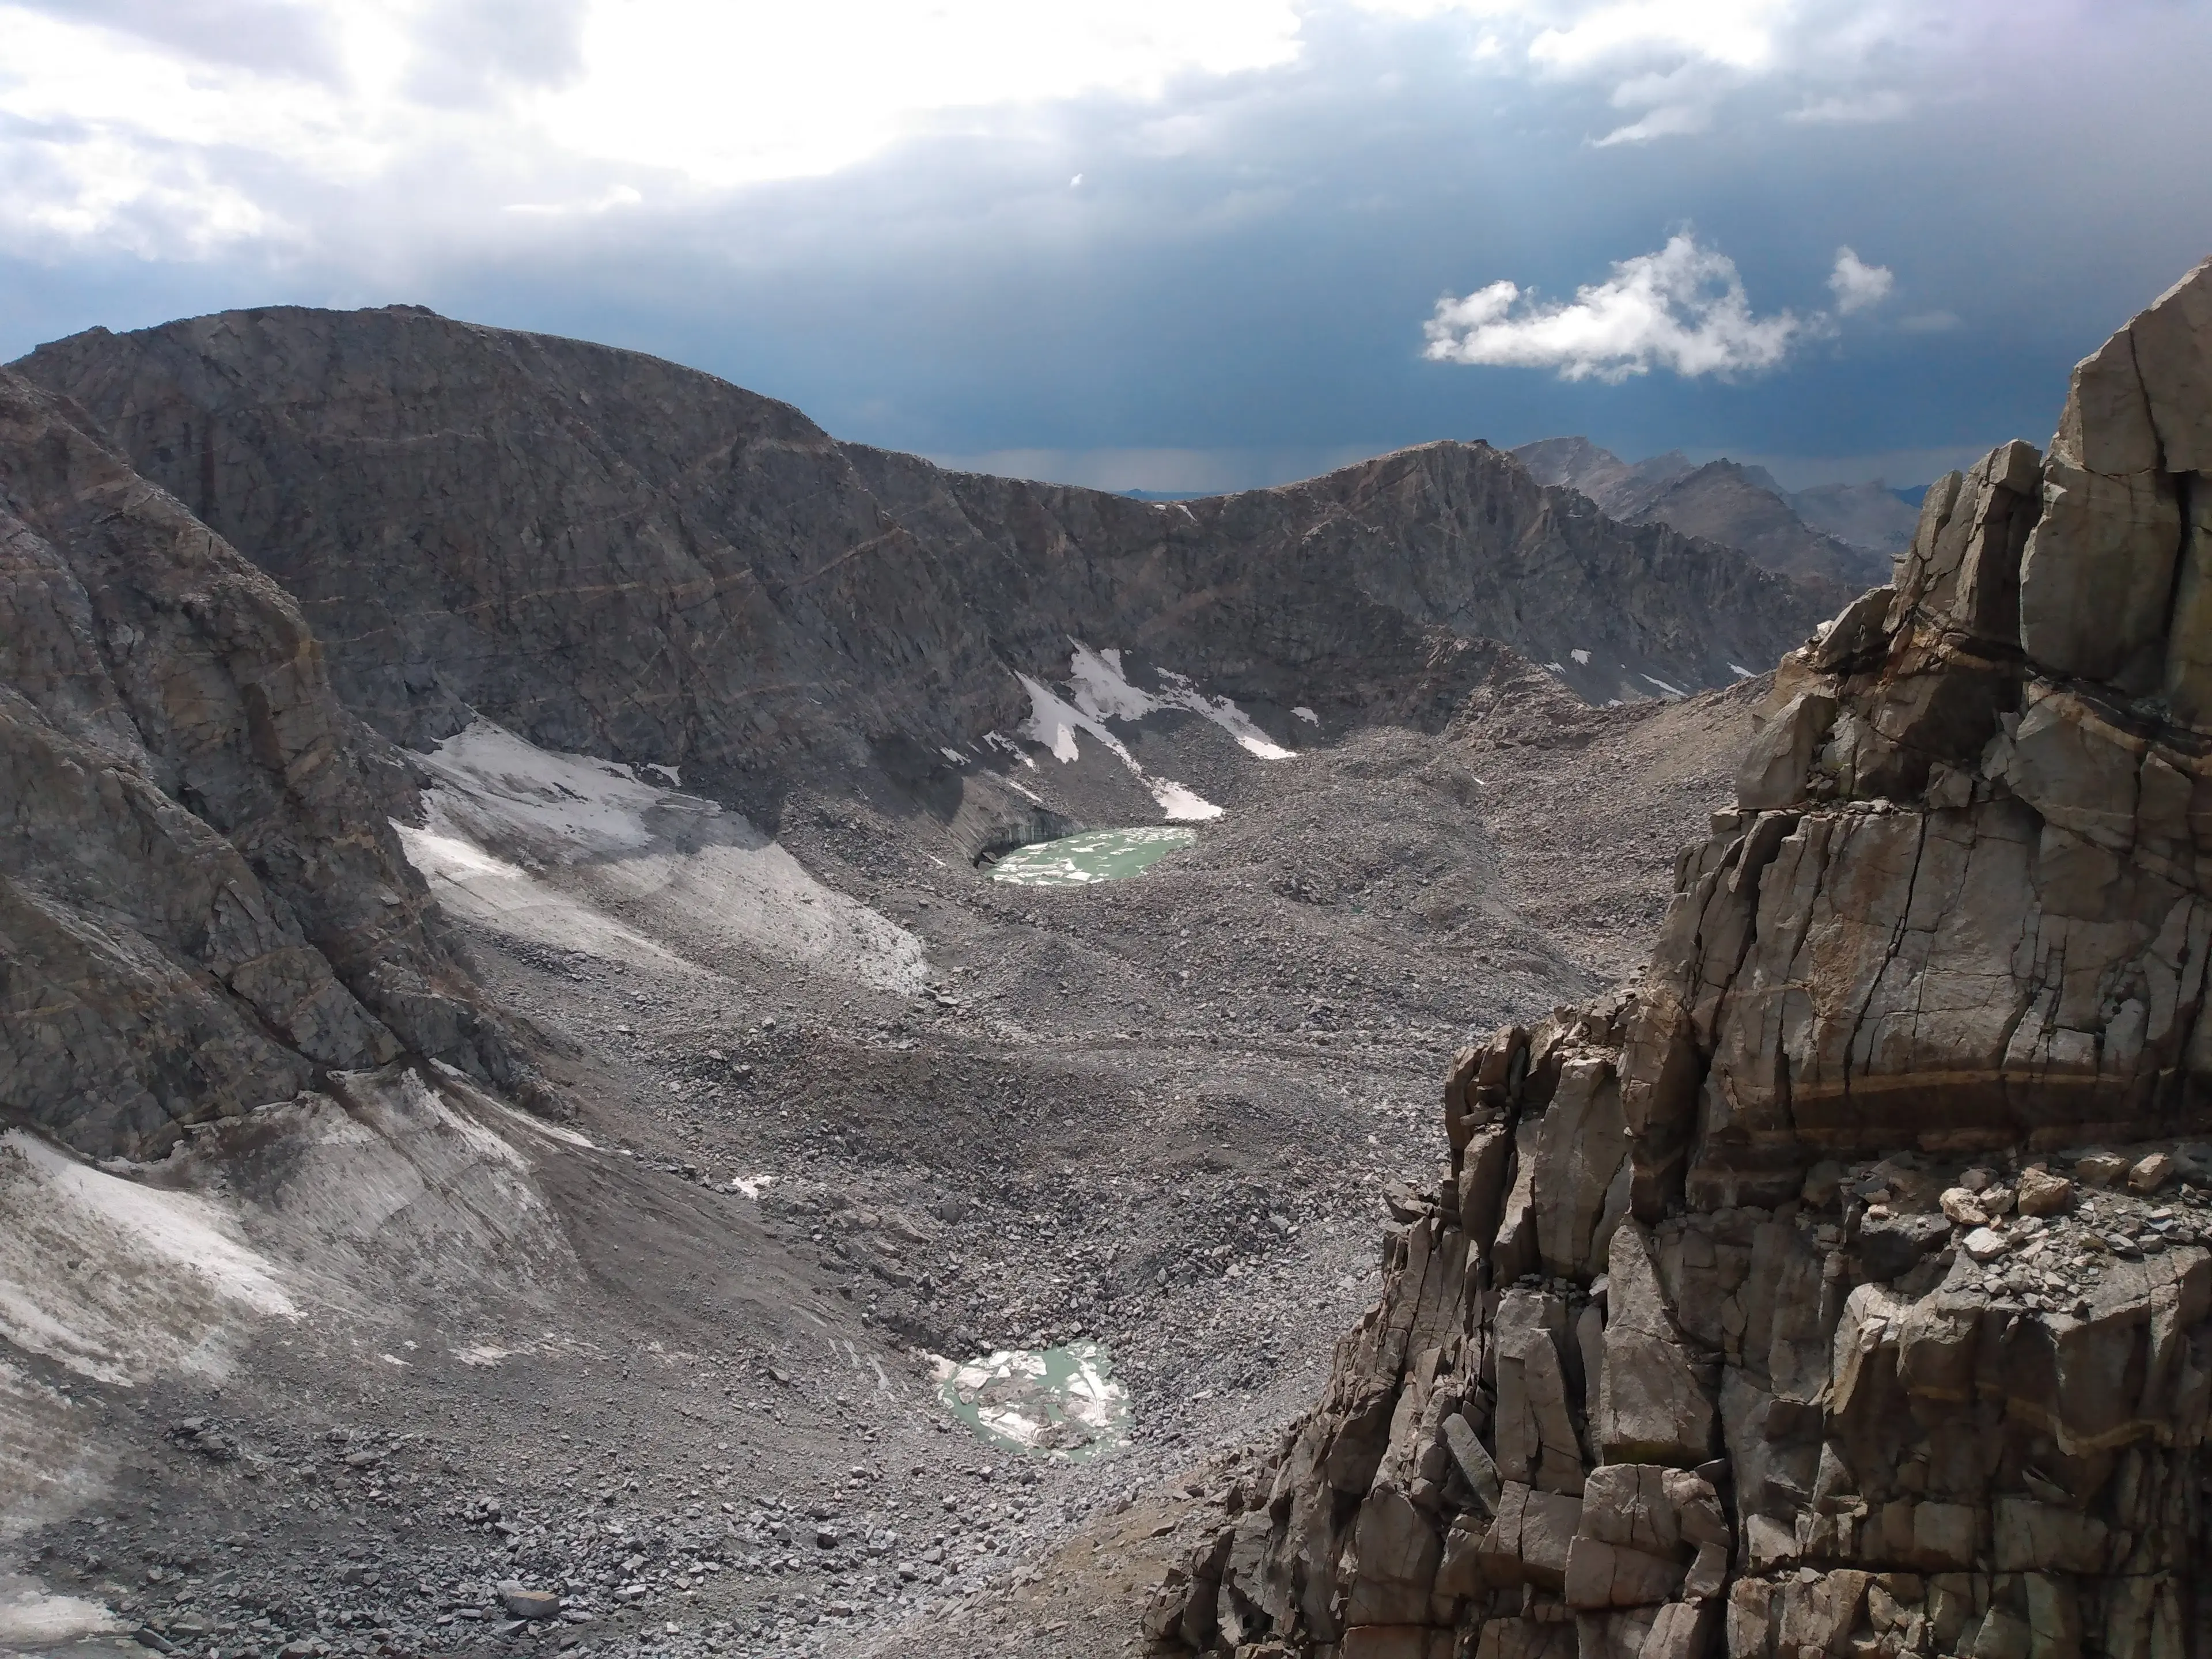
(176, 128)
(1683, 308)
(1857, 284)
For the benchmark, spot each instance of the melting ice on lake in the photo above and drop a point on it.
(1093, 856)
(1063, 1401)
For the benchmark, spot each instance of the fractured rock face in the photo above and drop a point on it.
(1846, 1287)
(203, 904)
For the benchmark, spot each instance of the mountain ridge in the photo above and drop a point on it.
(730, 544)
(1738, 505)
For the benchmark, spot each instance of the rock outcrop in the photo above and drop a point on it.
(1845, 1287)
(203, 904)
(613, 554)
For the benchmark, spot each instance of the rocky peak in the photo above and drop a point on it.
(1722, 500)
(1845, 1287)
(608, 553)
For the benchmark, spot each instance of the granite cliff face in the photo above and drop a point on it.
(203, 905)
(1845, 1287)
(610, 554)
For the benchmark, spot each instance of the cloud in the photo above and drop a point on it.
(468, 52)
(1678, 66)
(1683, 308)
(116, 115)
(1857, 284)
(275, 37)
(1885, 104)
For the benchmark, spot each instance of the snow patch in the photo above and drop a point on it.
(1581, 656)
(576, 805)
(493, 893)
(1741, 672)
(1182, 805)
(1102, 690)
(115, 1279)
(1671, 690)
(520, 1119)
(30, 1617)
(1306, 715)
(1053, 721)
(550, 847)
(1099, 691)
(1001, 741)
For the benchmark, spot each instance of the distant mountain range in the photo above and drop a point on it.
(1846, 531)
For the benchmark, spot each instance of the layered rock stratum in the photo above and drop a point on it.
(1844, 1287)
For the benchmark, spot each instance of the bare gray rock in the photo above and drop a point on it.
(1839, 1397)
(203, 905)
(1736, 506)
(611, 554)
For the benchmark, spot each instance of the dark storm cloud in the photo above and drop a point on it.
(1236, 288)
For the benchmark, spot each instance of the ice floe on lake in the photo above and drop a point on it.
(1093, 855)
(1062, 1401)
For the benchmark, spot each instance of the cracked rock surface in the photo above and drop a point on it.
(1842, 1287)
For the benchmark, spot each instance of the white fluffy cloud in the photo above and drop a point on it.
(1672, 68)
(1683, 308)
(1857, 284)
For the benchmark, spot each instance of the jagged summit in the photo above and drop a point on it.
(1846, 1286)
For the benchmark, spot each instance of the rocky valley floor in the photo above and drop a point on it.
(696, 1404)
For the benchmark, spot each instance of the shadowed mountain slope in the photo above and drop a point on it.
(610, 553)
(203, 904)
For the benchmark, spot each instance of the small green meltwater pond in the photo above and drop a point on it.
(1093, 856)
(1061, 1401)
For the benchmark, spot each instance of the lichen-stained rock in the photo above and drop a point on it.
(1846, 1288)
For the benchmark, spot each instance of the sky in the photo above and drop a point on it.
(1174, 244)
